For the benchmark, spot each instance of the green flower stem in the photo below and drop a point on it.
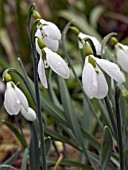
(76, 77)
(111, 115)
(19, 125)
(119, 128)
(41, 128)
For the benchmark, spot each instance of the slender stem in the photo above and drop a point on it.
(41, 128)
(119, 128)
(19, 125)
(111, 115)
(76, 77)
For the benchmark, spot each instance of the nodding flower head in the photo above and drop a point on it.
(56, 63)
(96, 43)
(122, 56)
(49, 33)
(15, 100)
(94, 82)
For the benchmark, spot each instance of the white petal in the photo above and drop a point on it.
(30, 115)
(51, 30)
(22, 97)
(11, 100)
(111, 69)
(94, 40)
(51, 44)
(122, 55)
(102, 89)
(57, 64)
(89, 80)
(38, 34)
(41, 72)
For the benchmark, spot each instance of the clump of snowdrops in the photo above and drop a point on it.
(104, 79)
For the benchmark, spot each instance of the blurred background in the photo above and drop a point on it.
(94, 17)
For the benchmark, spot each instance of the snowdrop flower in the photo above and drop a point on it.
(49, 33)
(94, 82)
(122, 56)
(94, 40)
(15, 101)
(57, 64)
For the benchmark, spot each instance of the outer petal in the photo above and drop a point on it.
(102, 89)
(122, 56)
(41, 72)
(11, 100)
(57, 64)
(22, 97)
(111, 69)
(51, 44)
(51, 30)
(30, 115)
(95, 41)
(89, 80)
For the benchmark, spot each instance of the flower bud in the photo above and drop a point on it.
(75, 30)
(41, 43)
(114, 40)
(87, 49)
(7, 77)
(36, 15)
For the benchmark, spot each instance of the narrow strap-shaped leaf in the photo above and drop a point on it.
(59, 137)
(52, 161)
(70, 113)
(16, 132)
(24, 160)
(12, 159)
(5, 167)
(48, 144)
(106, 149)
(34, 148)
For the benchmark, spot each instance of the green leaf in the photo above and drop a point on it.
(80, 22)
(106, 149)
(95, 15)
(48, 144)
(69, 112)
(34, 150)
(59, 137)
(24, 160)
(7, 167)
(13, 158)
(16, 132)
(65, 162)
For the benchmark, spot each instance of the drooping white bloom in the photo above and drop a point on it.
(50, 34)
(57, 64)
(122, 55)
(94, 40)
(15, 101)
(94, 82)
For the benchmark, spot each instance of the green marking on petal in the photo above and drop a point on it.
(92, 61)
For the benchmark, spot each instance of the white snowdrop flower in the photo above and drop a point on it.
(57, 64)
(14, 98)
(50, 34)
(30, 115)
(122, 55)
(94, 82)
(94, 40)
